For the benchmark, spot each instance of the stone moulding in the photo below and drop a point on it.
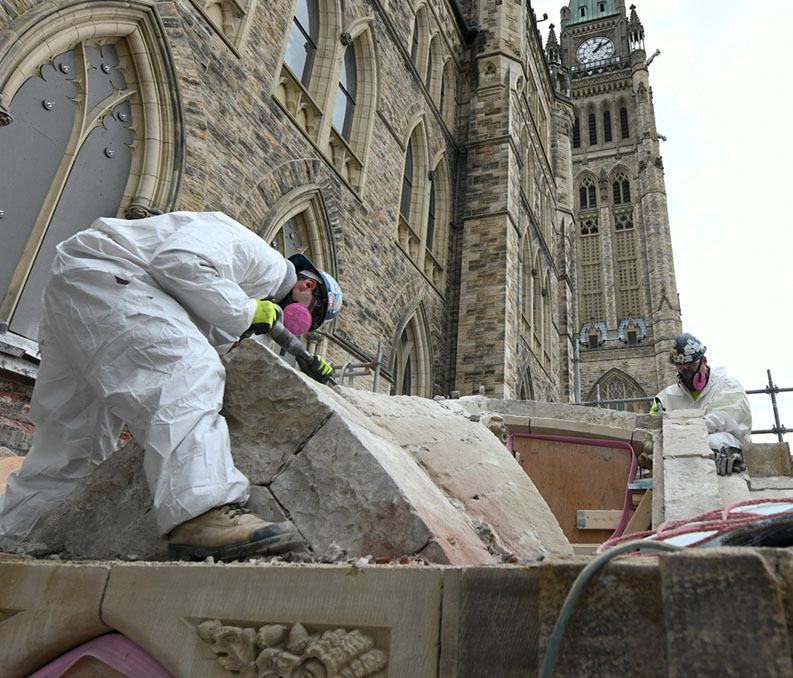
(281, 651)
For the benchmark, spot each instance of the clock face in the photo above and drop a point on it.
(595, 49)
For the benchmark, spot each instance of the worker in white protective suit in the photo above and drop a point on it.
(720, 396)
(134, 314)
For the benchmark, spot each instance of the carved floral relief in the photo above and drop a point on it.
(281, 651)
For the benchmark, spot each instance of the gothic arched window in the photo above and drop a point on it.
(624, 130)
(587, 194)
(593, 130)
(86, 139)
(615, 385)
(577, 133)
(412, 363)
(303, 38)
(344, 109)
(607, 126)
(621, 189)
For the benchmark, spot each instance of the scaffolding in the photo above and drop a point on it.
(778, 429)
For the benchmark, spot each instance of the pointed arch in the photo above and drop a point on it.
(617, 385)
(547, 311)
(586, 186)
(420, 39)
(447, 97)
(432, 77)
(620, 186)
(415, 192)
(439, 216)
(117, 150)
(305, 82)
(353, 103)
(527, 280)
(411, 355)
(526, 389)
(298, 224)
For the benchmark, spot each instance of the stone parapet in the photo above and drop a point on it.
(694, 612)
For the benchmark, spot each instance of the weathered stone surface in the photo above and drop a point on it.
(690, 482)
(369, 473)
(618, 617)
(718, 603)
(768, 459)
(161, 607)
(109, 515)
(45, 610)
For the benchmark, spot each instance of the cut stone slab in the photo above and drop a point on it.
(364, 473)
(45, 610)
(195, 619)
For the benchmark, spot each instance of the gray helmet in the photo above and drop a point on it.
(687, 349)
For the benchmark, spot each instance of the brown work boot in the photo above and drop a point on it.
(230, 532)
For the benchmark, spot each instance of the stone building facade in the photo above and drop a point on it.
(421, 151)
(628, 310)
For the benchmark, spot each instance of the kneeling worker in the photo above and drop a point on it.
(134, 315)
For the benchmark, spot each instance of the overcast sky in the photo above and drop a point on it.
(722, 99)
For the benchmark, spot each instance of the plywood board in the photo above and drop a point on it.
(576, 476)
(7, 466)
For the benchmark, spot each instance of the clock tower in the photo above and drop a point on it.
(628, 310)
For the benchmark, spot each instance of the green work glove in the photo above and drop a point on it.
(264, 317)
(316, 368)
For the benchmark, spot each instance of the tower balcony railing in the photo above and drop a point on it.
(597, 67)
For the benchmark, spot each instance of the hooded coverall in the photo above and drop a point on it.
(134, 315)
(725, 405)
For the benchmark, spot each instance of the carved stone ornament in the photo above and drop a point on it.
(5, 113)
(278, 651)
(136, 211)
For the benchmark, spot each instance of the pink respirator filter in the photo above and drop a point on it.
(297, 319)
(699, 381)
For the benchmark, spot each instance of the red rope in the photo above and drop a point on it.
(714, 523)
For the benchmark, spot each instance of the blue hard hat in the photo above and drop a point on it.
(329, 297)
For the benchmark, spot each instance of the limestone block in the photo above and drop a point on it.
(109, 515)
(771, 483)
(685, 434)
(719, 603)
(368, 496)
(690, 487)
(371, 473)
(616, 627)
(690, 483)
(481, 605)
(47, 608)
(472, 467)
(768, 459)
(734, 488)
(172, 610)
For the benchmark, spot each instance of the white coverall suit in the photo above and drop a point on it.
(134, 313)
(724, 403)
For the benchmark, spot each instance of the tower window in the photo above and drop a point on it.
(593, 130)
(582, 10)
(607, 126)
(621, 190)
(624, 123)
(587, 194)
(632, 340)
(577, 133)
(601, 6)
(594, 340)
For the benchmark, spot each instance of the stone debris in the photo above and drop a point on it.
(361, 475)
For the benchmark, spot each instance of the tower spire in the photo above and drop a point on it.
(552, 50)
(635, 31)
